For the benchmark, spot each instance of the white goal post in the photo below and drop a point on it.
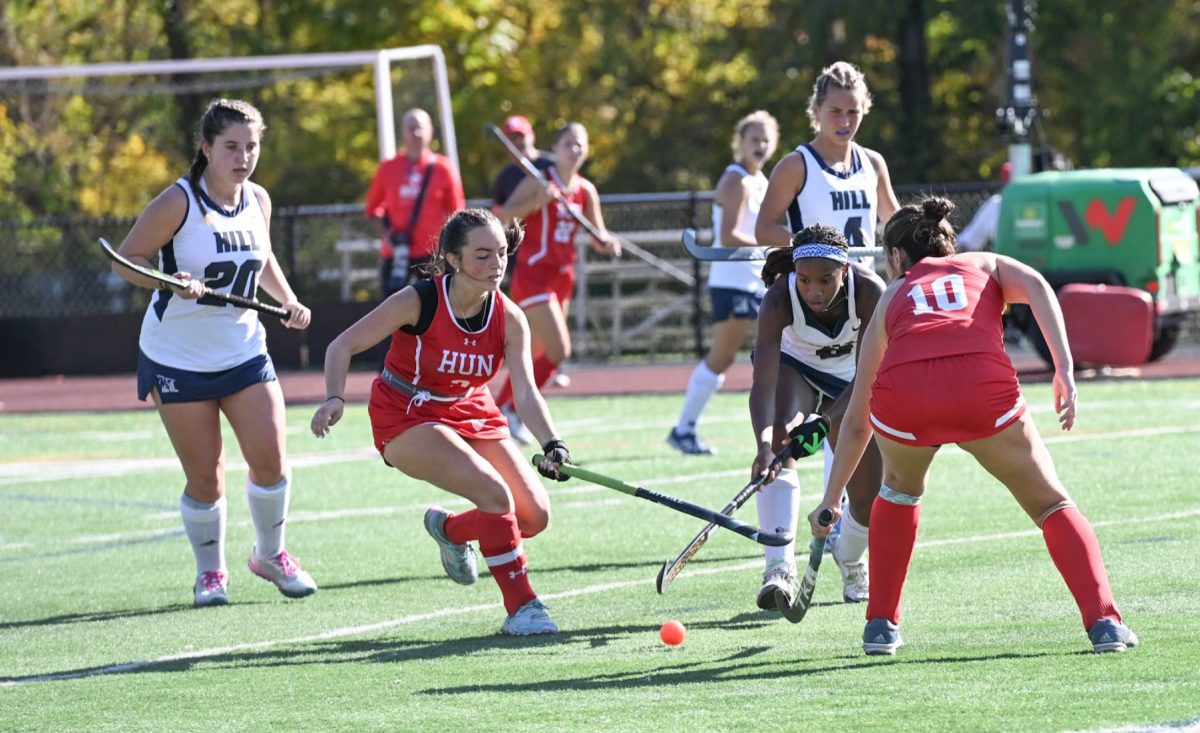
(381, 60)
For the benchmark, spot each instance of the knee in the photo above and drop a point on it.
(206, 489)
(494, 498)
(533, 522)
(557, 353)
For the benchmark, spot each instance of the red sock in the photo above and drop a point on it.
(462, 528)
(500, 545)
(1076, 553)
(543, 369)
(893, 533)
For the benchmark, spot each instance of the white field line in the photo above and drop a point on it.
(491, 608)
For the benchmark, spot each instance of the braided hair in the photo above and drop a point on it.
(221, 113)
(839, 75)
(922, 230)
(459, 225)
(781, 261)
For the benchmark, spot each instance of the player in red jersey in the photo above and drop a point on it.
(933, 370)
(543, 277)
(433, 416)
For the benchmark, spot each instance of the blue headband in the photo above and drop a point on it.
(804, 251)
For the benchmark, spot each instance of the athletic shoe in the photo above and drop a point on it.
(881, 637)
(855, 586)
(515, 426)
(688, 444)
(211, 589)
(781, 577)
(284, 571)
(1111, 636)
(529, 620)
(457, 560)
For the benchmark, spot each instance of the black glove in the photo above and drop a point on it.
(808, 436)
(555, 452)
(398, 238)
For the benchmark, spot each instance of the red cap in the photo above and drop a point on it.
(517, 123)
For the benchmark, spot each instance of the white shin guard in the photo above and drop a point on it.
(268, 511)
(703, 383)
(205, 528)
(778, 509)
(851, 544)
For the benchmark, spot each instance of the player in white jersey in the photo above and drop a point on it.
(736, 288)
(199, 358)
(834, 181)
(812, 318)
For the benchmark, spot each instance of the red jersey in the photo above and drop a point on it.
(448, 367)
(550, 231)
(943, 308)
(394, 191)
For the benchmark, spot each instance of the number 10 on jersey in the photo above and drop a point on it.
(949, 294)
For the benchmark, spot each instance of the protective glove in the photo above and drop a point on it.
(554, 452)
(808, 436)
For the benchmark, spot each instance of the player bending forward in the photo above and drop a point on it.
(434, 418)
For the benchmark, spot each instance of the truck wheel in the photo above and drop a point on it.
(1164, 340)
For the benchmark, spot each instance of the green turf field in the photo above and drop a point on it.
(97, 632)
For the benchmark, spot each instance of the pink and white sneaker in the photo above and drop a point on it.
(284, 571)
(211, 589)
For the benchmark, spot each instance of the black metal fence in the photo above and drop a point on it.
(54, 269)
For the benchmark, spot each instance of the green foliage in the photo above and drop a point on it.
(659, 84)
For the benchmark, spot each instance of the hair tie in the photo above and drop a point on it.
(826, 251)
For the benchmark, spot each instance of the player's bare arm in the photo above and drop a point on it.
(529, 196)
(786, 181)
(402, 308)
(150, 233)
(591, 210)
(773, 317)
(884, 193)
(526, 398)
(731, 195)
(855, 431)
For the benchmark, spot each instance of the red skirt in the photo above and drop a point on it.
(537, 284)
(951, 399)
(474, 417)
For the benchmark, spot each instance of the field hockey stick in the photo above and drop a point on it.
(670, 570)
(795, 611)
(162, 277)
(706, 253)
(686, 507)
(531, 170)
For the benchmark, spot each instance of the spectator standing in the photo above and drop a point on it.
(411, 196)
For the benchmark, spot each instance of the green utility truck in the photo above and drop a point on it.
(1135, 227)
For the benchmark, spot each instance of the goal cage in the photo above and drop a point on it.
(121, 132)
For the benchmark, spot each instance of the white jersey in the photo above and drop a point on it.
(848, 202)
(831, 352)
(229, 254)
(745, 275)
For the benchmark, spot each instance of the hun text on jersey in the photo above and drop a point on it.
(457, 362)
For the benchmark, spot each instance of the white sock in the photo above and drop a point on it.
(852, 542)
(205, 527)
(701, 387)
(268, 510)
(778, 508)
